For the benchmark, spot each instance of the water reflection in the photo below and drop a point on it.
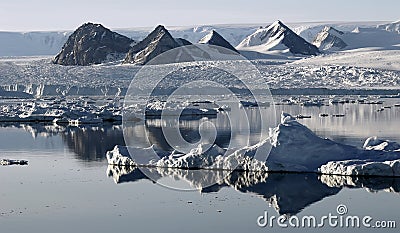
(288, 193)
(230, 130)
(86, 142)
(91, 142)
(360, 121)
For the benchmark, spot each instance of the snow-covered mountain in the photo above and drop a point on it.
(329, 39)
(379, 35)
(213, 38)
(50, 43)
(277, 37)
(93, 44)
(366, 38)
(309, 30)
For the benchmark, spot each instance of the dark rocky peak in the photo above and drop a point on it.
(295, 43)
(214, 38)
(156, 43)
(93, 44)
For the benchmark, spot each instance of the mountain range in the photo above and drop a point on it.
(86, 47)
(95, 44)
(156, 43)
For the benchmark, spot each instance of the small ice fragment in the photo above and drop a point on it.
(6, 162)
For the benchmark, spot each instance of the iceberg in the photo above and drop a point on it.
(120, 156)
(294, 148)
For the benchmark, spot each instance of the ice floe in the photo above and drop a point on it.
(61, 111)
(6, 162)
(374, 143)
(196, 108)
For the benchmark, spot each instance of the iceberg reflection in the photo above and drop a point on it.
(278, 189)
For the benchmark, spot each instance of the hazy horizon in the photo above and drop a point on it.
(47, 15)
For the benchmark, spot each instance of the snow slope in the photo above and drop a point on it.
(371, 37)
(375, 58)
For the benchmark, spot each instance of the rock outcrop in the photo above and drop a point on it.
(93, 44)
(156, 43)
(214, 38)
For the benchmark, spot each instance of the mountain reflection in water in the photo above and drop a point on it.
(91, 142)
(87, 142)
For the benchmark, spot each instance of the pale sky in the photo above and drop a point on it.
(28, 15)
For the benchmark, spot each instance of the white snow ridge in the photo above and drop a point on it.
(295, 148)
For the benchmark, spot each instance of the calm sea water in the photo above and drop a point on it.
(68, 186)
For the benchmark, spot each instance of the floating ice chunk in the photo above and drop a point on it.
(214, 157)
(201, 157)
(6, 162)
(286, 118)
(120, 156)
(374, 143)
(198, 108)
(204, 156)
(362, 168)
(131, 156)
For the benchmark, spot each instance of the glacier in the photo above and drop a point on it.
(38, 77)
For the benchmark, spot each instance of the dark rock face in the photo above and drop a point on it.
(329, 39)
(182, 42)
(214, 38)
(295, 43)
(157, 42)
(278, 36)
(93, 44)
